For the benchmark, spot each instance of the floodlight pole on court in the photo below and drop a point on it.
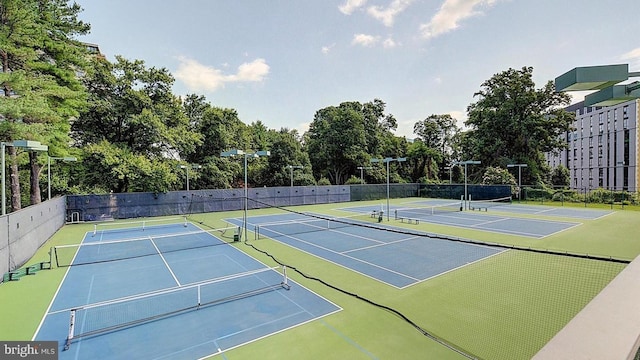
(520, 166)
(466, 193)
(362, 169)
(49, 158)
(193, 166)
(25, 144)
(291, 167)
(246, 154)
(388, 160)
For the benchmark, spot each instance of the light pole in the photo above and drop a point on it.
(466, 193)
(362, 169)
(387, 161)
(186, 167)
(49, 158)
(235, 152)
(291, 167)
(519, 166)
(25, 144)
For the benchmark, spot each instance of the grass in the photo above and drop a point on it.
(505, 307)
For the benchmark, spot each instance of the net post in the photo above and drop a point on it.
(143, 225)
(55, 254)
(72, 325)
(95, 229)
(199, 296)
(285, 279)
(395, 214)
(185, 221)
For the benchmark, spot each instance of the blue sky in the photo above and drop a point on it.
(279, 61)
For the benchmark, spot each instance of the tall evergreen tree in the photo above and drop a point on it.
(40, 88)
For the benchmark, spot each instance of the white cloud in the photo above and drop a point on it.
(365, 40)
(387, 15)
(327, 49)
(389, 43)
(461, 117)
(633, 57)
(351, 5)
(254, 71)
(451, 13)
(201, 77)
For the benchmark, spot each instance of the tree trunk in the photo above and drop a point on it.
(36, 197)
(15, 180)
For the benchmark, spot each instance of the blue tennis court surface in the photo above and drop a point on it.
(483, 220)
(397, 259)
(185, 296)
(568, 212)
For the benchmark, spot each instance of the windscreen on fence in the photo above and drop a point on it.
(134, 205)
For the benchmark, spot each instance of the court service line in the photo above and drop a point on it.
(165, 261)
(489, 222)
(381, 244)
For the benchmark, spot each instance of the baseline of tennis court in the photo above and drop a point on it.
(396, 259)
(428, 211)
(185, 301)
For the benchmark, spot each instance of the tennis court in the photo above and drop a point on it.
(169, 291)
(443, 213)
(395, 258)
(568, 212)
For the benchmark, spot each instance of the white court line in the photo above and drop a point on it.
(165, 261)
(347, 256)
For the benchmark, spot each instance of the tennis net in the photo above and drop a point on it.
(419, 211)
(315, 223)
(141, 225)
(129, 248)
(113, 315)
(485, 204)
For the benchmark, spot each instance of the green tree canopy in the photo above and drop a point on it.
(134, 118)
(512, 121)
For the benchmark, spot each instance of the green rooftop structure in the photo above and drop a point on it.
(603, 78)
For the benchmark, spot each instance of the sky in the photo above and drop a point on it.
(280, 61)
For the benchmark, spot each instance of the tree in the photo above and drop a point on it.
(514, 121)
(337, 142)
(286, 151)
(560, 176)
(437, 133)
(221, 130)
(343, 137)
(423, 160)
(40, 89)
(497, 176)
(134, 117)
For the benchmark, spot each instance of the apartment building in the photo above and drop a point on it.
(602, 148)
